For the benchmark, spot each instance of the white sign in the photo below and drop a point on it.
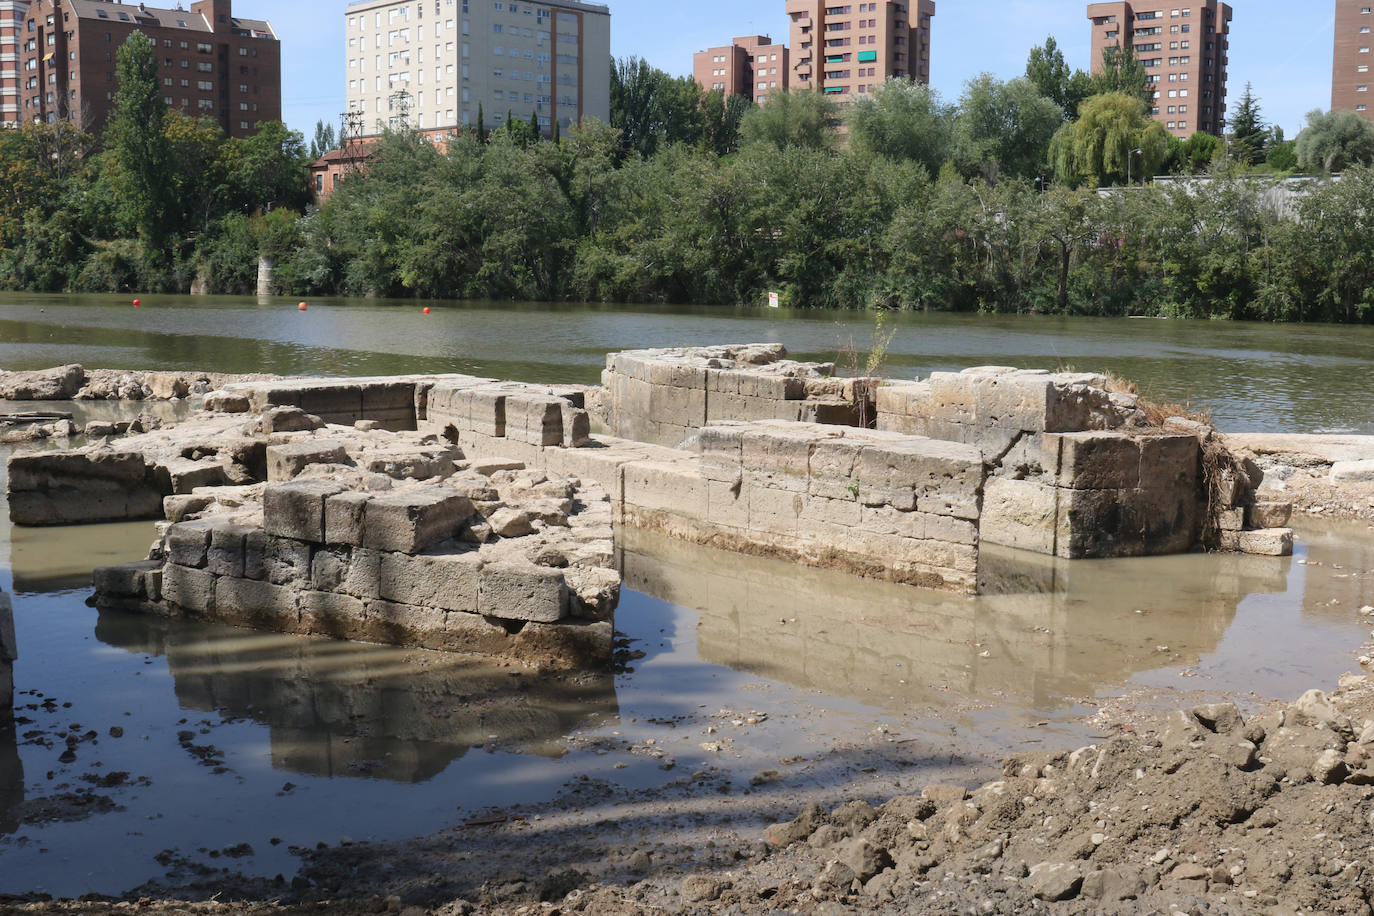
(773, 300)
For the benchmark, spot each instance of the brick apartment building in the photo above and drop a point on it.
(1350, 78)
(435, 62)
(1184, 51)
(848, 49)
(752, 66)
(212, 63)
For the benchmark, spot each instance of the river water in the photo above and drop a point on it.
(156, 750)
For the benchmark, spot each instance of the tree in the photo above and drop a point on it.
(323, 141)
(802, 119)
(1122, 71)
(1334, 141)
(1004, 128)
(652, 109)
(903, 120)
(1193, 155)
(1249, 133)
(142, 156)
(1282, 156)
(481, 124)
(1050, 74)
(722, 116)
(1101, 146)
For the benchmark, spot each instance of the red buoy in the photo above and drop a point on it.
(137, 303)
(426, 310)
(302, 307)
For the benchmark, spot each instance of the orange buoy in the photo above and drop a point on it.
(137, 303)
(426, 310)
(302, 307)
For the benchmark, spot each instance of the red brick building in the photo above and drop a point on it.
(753, 66)
(848, 49)
(211, 63)
(1350, 59)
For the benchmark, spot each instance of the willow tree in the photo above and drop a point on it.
(1112, 139)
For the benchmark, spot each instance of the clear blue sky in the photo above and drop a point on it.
(1289, 67)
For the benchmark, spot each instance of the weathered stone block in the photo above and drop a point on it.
(296, 509)
(577, 426)
(485, 410)
(364, 576)
(675, 487)
(225, 556)
(535, 419)
(401, 624)
(186, 475)
(585, 644)
(284, 462)
(516, 591)
(189, 542)
(726, 505)
(447, 579)
(344, 515)
(1267, 542)
(833, 466)
(1020, 513)
(284, 561)
(127, 581)
(1268, 515)
(1125, 523)
(324, 613)
(255, 554)
(335, 402)
(328, 569)
(1096, 460)
(774, 511)
(248, 602)
(408, 521)
(1352, 472)
(60, 488)
(191, 590)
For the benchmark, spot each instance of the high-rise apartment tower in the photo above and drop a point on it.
(1184, 51)
(848, 49)
(1350, 77)
(211, 63)
(752, 66)
(437, 63)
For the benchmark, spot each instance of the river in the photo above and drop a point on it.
(1249, 377)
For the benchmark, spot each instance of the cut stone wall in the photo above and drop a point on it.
(664, 397)
(445, 564)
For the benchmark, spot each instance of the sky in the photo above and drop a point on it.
(1289, 67)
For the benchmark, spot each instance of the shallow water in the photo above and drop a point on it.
(1252, 377)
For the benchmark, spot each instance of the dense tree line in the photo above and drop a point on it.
(990, 202)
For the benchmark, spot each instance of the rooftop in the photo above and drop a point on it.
(142, 14)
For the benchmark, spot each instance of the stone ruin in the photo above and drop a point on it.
(456, 512)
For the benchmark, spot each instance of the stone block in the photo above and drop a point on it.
(535, 419)
(401, 624)
(1095, 460)
(484, 409)
(1126, 523)
(682, 407)
(328, 569)
(820, 510)
(567, 645)
(408, 521)
(1353, 471)
(577, 426)
(186, 475)
(255, 554)
(284, 561)
(289, 419)
(446, 579)
(177, 507)
(285, 462)
(777, 455)
(190, 590)
(675, 487)
(127, 581)
(1231, 520)
(1268, 515)
(774, 511)
(522, 591)
(248, 602)
(721, 452)
(188, 543)
(331, 614)
(1267, 542)
(344, 517)
(389, 401)
(296, 509)
(1020, 513)
(726, 505)
(832, 468)
(1171, 462)
(225, 556)
(363, 578)
(334, 402)
(60, 488)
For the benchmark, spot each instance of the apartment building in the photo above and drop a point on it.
(11, 24)
(1183, 49)
(752, 66)
(1350, 78)
(848, 49)
(436, 63)
(213, 64)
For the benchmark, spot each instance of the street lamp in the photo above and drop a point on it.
(1129, 156)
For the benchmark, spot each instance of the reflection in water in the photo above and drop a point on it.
(11, 778)
(337, 708)
(1343, 554)
(46, 560)
(1045, 633)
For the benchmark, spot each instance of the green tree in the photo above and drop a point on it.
(1333, 141)
(722, 116)
(1101, 146)
(142, 156)
(1282, 156)
(1052, 78)
(1194, 155)
(1004, 128)
(1123, 72)
(904, 120)
(323, 140)
(652, 109)
(1249, 133)
(802, 119)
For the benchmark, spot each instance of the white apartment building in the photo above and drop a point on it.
(434, 62)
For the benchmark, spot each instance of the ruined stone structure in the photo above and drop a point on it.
(455, 512)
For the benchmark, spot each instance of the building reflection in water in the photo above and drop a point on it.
(336, 708)
(1043, 633)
